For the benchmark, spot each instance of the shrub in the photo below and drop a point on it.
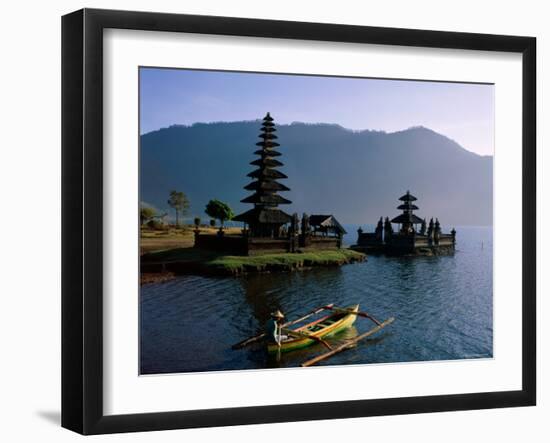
(155, 224)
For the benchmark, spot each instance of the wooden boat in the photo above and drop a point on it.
(321, 328)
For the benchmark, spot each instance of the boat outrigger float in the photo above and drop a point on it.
(317, 331)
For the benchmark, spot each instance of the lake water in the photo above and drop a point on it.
(443, 309)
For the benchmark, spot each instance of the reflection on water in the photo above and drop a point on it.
(442, 306)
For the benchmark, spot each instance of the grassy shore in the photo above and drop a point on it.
(300, 260)
(194, 261)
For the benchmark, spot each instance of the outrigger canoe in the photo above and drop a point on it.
(321, 328)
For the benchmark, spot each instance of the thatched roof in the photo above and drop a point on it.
(268, 199)
(264, 215)
(268, 144)
(270, 162)
(408, 197)
(326, 221)
(267, 152)
(266, 185)
(409, 206)
(266, 173)
(268, 127)
(407, 218)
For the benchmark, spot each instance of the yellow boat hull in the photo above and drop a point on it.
(322, 328)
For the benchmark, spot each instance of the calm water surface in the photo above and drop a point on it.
(442, 305)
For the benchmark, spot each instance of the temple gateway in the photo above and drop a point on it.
(266, 228)
(406, 239)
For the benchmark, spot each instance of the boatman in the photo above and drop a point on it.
(274, 327)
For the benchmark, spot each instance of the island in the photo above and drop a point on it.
(270, 240)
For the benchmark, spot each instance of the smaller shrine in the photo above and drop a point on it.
(407, 238)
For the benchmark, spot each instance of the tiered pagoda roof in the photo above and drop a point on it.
(407, 207)
(265, 185)
(408, 197)
(264, 216)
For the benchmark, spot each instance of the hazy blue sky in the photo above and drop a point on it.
(463, 112)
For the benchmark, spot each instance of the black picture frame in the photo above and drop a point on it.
(82, 218)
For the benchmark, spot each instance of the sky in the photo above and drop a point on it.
(461, 111)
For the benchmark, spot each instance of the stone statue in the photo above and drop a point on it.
(379, 231)
(437, 231)
(388, 230)
(423, 227)
(431, 228)
(305, 224)
(294, 224)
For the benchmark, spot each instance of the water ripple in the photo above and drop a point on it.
(443, 309)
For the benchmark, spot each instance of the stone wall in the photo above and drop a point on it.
(257, 246)
(369, 239)
(228, 244)
(320, 243)
(241, 245)
(399, 244)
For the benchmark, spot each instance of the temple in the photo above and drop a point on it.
(265, 219)
(406, 239)
(266, 227)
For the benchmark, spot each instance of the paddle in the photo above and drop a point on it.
(349, 311)
(254, 339)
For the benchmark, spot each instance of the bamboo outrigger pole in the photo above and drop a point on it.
(250, 340)
(348, 344)
(359, 314)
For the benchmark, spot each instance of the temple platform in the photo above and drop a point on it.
(407, 245)
(249, 246)
(407, 239)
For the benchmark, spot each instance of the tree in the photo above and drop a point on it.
(197, 221)
(146, 213)
(220, 211)
(154, 224)
(179, 202)
(212, 223)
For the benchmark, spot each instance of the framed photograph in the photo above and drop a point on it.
(268, 221)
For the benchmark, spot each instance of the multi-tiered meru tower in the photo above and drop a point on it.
(268, 229)
(266, 219)
(407, 219)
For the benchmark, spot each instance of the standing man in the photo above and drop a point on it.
(274, 326)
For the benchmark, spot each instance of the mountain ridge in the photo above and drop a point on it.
(355, 175)
(298, 123)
